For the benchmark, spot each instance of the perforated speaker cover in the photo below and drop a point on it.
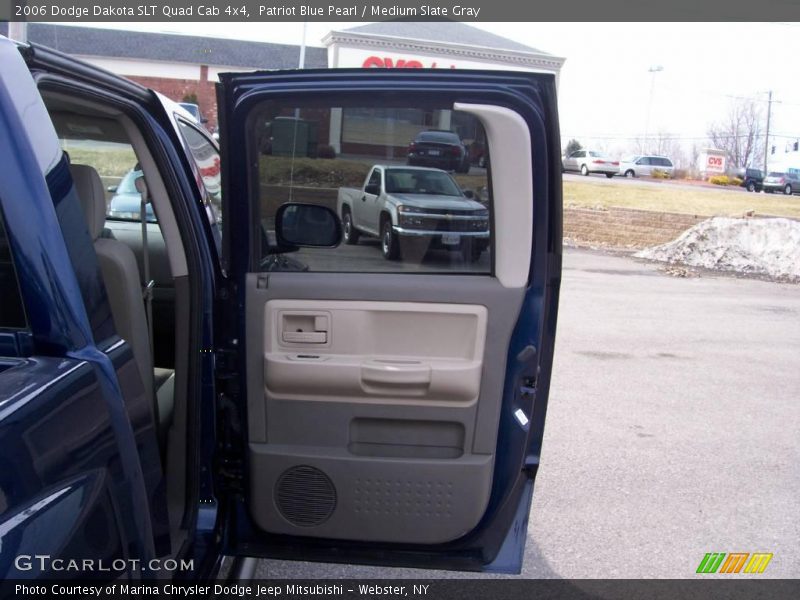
(305, 496)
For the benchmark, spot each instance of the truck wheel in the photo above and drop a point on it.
(751, 187)
(629, 174)
(787, 190)
(351, 234)
(609, 175)
(584, 170)
(390, 247)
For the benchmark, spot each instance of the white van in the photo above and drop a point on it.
(638, 166)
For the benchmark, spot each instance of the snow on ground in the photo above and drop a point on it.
(757, 246)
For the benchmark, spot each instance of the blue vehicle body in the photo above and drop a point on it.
(81, 472)
(73, 441)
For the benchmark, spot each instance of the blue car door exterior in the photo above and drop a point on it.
(79, 471)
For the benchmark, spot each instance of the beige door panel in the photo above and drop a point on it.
(365, 423)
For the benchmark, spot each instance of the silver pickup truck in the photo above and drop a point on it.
(401, 205)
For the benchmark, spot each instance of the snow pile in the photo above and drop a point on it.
(759, 246)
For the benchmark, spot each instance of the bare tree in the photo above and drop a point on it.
(739, 133)
(663, 143)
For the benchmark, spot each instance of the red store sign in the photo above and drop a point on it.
(387, 62)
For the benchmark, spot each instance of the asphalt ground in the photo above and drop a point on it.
(673, 428)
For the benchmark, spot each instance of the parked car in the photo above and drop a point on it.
(298, 406)
(752, 179)
(590, 161)
(127, 201)
(439, 149)
(777, 181)
(644, 166)
(397, 204)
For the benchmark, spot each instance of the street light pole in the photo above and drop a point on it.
(766, 137)
(652, 70)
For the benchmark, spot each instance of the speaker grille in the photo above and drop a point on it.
(305, 496)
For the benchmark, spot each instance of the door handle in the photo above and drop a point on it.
(305, 337)
(364, 198)
(304, 328)
(395, 373)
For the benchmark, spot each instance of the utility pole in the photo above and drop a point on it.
(766, 140)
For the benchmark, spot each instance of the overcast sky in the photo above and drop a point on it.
(605, 84)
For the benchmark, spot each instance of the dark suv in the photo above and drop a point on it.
(752, 179)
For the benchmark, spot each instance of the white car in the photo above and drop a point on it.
(643, 166)
(590, 161)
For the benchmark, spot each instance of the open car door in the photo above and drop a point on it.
(388, 408)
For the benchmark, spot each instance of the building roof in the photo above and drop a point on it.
(133, 45)
(448, 32)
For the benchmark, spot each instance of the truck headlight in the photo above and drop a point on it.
(409, 209)
(412, 222)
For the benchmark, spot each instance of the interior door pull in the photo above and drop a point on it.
(373, 372)
(305, 337)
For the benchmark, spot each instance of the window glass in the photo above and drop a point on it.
(103, 144)
(12, 313)
(433, 210)
(207, 161)
(643, 161)
(375, 178)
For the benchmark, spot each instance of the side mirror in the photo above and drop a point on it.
(203, 120)
(309, 225)
(373, 189)
(469, 194)
(112, 189)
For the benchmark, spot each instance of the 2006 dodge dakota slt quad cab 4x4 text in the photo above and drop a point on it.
(164, 396)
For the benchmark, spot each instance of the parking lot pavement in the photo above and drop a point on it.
(673, 428)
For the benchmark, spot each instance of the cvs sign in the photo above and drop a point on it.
(715, 164)
(387, 62)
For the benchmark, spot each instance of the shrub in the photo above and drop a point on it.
(326, 151)
(735, 181)
(659, 174)
(719, 180)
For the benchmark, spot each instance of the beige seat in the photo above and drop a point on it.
(124, 288)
